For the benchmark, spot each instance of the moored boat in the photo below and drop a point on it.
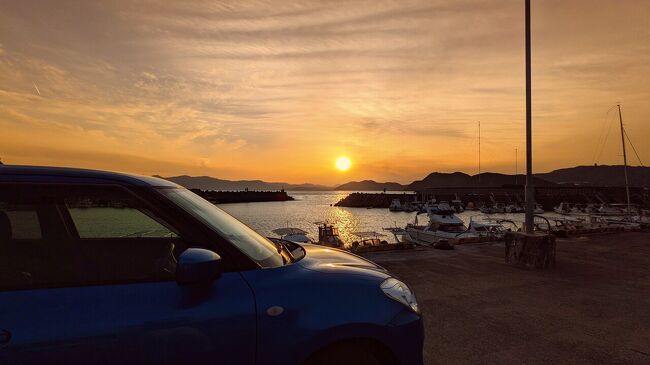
(395, 206)
(293, 234)
(443, 224)
(481, 226)
(328, 235)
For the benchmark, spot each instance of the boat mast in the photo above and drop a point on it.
(627, 184)
(479, 152)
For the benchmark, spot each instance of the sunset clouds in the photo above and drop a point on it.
(277, 89)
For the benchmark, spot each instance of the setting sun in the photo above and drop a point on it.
(343, 163)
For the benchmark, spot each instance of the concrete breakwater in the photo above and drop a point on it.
(221, 197)
(374, 200)
(549, 197)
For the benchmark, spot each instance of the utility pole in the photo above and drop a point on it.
(530, 188)
(627, 184)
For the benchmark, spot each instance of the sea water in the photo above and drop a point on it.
(312, 207)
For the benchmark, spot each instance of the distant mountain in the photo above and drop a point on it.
(459, 179)
(211, 183)
(370, 185)
(603, 175)
(580, 175)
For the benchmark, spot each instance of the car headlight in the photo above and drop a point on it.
(398, 291)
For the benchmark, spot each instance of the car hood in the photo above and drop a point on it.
(332, 260)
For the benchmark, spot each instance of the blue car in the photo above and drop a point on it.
(106, 268)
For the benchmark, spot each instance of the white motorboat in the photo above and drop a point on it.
(606, 209)
(482, 226)
(395, 206)
(429, 204)
(496, 208)
(571, 208)
(443, 224)
(409, 207)
(512, 208)
(293, 234)
(564, 208)
(626, 223)
(457, 205)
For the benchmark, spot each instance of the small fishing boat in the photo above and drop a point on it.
(328, 235)
(367, 241)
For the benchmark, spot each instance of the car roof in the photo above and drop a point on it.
(47, 174)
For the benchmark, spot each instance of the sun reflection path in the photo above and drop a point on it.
(346, 222)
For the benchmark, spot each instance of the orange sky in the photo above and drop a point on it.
(277, 90)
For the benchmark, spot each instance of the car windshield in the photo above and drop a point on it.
(255, 246)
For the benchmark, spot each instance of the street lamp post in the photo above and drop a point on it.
(530, 189)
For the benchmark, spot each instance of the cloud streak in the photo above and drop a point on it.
(277, 90)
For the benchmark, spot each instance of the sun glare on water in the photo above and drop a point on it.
(343, 163)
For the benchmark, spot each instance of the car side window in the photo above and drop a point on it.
(19, 222)
(62, 236)
(113, 217)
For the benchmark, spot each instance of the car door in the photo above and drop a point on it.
(102, 290)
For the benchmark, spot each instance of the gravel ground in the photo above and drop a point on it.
(594, 307)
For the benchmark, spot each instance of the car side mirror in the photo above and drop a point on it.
(198, 266)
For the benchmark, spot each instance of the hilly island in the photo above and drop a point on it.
(603, 175)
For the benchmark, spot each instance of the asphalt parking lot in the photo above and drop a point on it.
(594, 307)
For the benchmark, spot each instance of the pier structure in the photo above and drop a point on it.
(246, 196)
(547, 196)
(375, 200)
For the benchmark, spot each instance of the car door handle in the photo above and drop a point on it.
(5, 336)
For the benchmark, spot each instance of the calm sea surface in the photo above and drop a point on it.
(317, 206)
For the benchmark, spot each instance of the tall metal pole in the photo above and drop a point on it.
(627, 184)
(530, 189)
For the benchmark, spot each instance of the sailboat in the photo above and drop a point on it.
(627, 183)
(627, 220)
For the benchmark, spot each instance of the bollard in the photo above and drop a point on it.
(532, 251)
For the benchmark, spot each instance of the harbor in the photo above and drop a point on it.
(547, 196)
(325, 182)
(311, 210)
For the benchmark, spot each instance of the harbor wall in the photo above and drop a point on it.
(374, 200)
(222, 197)
(548, 197)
